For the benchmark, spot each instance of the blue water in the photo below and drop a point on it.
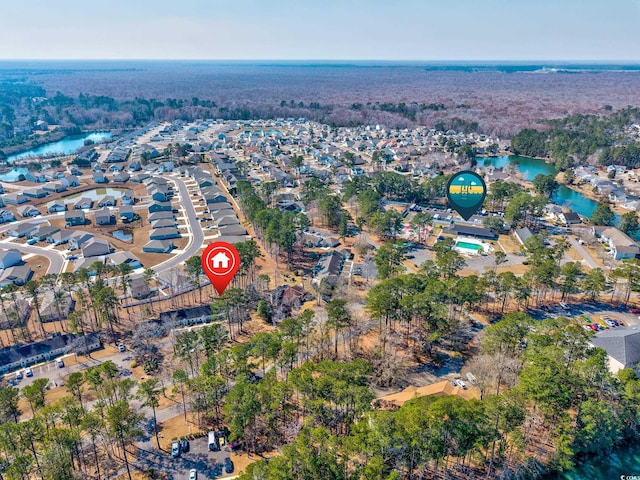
(530, 167)
(626, 461)
(120, 235)
(66, 146)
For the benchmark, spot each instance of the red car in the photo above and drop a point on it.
(634, 310)
(594, 327)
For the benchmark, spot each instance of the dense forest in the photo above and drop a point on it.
(571, 140)
(492, 101)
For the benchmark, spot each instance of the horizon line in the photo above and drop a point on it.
(452, 60)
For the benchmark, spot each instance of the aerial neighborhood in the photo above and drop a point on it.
(341, 231)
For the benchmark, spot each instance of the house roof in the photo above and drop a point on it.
(622, 343)
(437, 389)
(6, 253)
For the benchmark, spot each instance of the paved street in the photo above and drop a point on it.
(197, 235)
(584, 254)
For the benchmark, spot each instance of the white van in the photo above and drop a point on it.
(214, 446)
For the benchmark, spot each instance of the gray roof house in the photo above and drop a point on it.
(17, 275)
(22, 230)
(158, 246)
(15, 198)
(78, 239)
(107, 201)
(126, 213)
(622, 345)
(104, 217)
(74, 218)
(84, 203)
(28, 211)
(9, 258)
(60, 237)
(95, 248)
(164, 233)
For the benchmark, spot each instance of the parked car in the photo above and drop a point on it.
(28, 372)
(611, 323)
(634, 310)
(18, 375)
(121, 347)
(175, 448)
(184, 445)
(60, 363)
(193, 474)
(31, 241)
(593, 327)
(461, 384)
(228, 465)
(587, 327)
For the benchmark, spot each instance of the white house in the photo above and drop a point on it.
(622, 345)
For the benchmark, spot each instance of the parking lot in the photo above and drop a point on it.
(592, 310)
(208, 464)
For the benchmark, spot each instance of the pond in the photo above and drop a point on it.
(120, 235)
(66, 146)
(530, 167)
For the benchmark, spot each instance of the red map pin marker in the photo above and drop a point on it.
(220, 261)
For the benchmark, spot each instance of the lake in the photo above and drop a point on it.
(66, 146)
(530, 167)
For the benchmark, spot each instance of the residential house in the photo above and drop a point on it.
(70, 181)
(104, 217)
(127, 197)
(164, 223)
(522, 234)
(56, 206)
(124, 257)
(60, 237)
(107, 201)
(73, 218)
(22, 230)
(85, 203)
(328, 268)
(620, 244)
(126, 214)
(17, 275)
(10, 258)
(15, 198)
(469, 231)
(79, 238)
(54, 308)
(36, 192)
(164, 233)
(96, 247)
(20, 356)
(121, 177)
(570, 218)
(160, 207)
(226, 220)
(6, 216)
(158, 246)
(100, 177)
(232, 230)
(54, 187)
(154, 217)
(138, 288)
(622, 345)
(28, 211)
(43, 232)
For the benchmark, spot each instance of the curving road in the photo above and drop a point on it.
(193, 225)
(56, 259)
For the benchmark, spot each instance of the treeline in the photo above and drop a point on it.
(576, 137)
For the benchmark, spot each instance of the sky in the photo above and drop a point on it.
(604, 30)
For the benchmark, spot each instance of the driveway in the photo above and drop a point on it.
(584, 254)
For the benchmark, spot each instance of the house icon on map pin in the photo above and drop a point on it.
(220, 260)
